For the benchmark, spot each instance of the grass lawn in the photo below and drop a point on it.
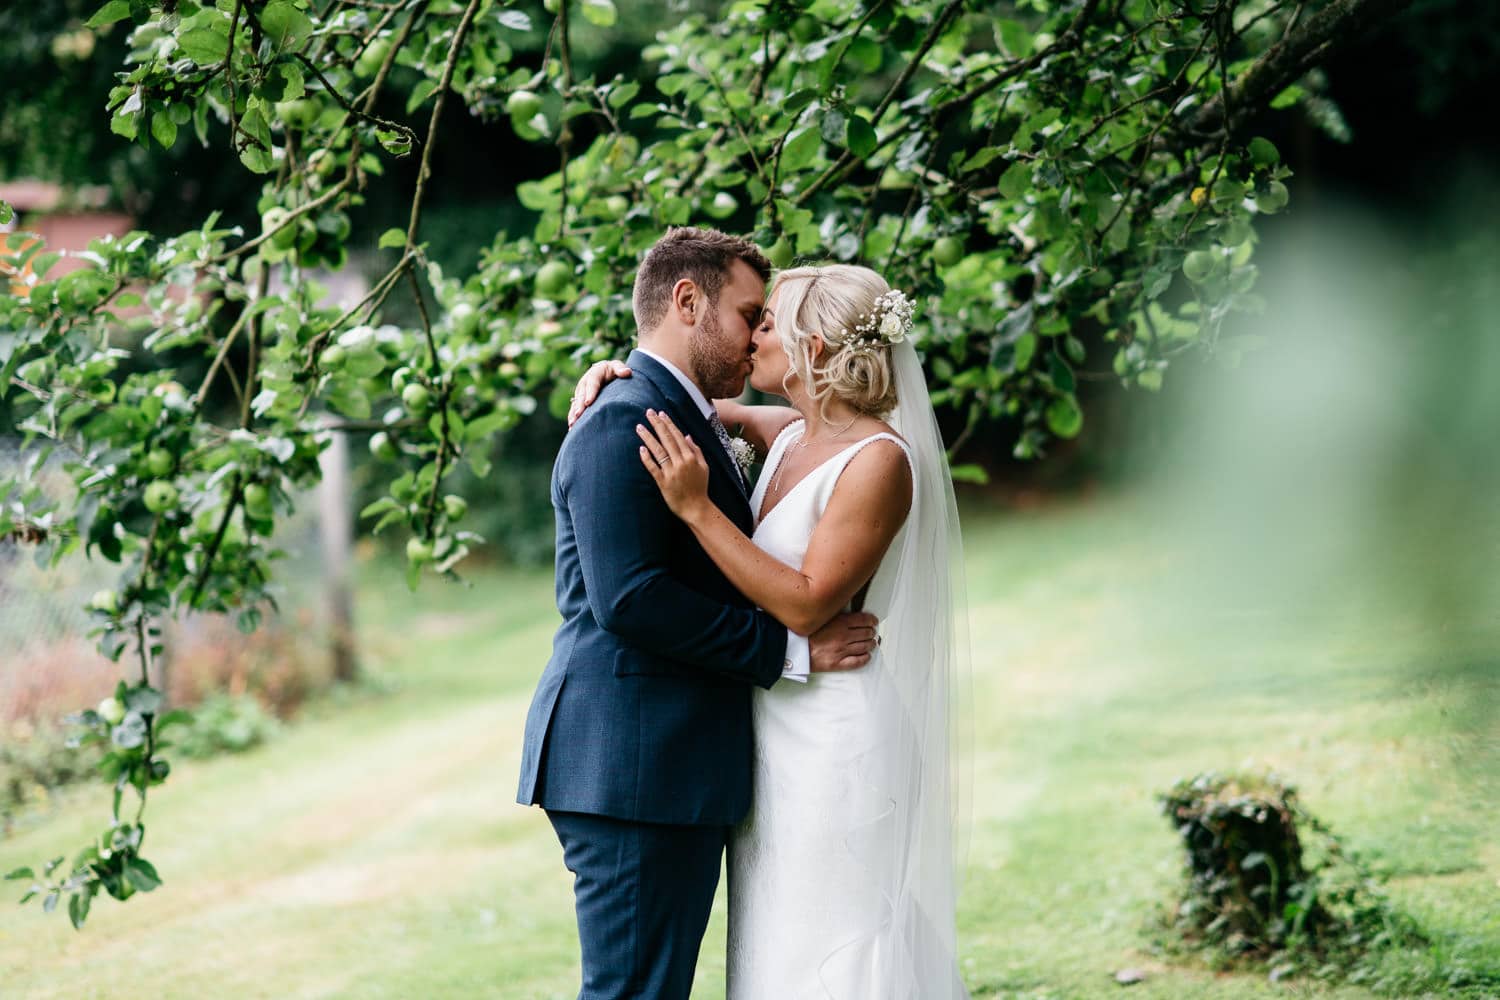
(374, 849)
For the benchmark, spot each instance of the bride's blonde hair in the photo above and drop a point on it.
(832, 300)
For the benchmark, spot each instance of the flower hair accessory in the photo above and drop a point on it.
(887, 323)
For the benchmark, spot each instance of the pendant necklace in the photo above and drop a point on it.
(801, 442)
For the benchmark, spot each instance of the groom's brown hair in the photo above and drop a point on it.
(702, 255)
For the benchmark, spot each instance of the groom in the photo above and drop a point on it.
(638, 741)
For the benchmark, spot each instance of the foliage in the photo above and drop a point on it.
(1056, 183)
(1268, 883)
(226, 723)
(35, 761)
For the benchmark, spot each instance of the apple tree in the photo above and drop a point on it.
(1059, 184)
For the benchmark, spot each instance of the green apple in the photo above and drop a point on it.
(552, 6)
(399, 378)
(381, 446)
(158, 462)
(333, 357)
(523, 104)
(1198, 266)
(418, 551)
(258, 501)
(780, 253)
(617, 205)
(160, 496)
(106, 601)
(552, 278)
(370, 60)
(1262, 152)
(1235, 232)
(111, 711)
(298, 113)
(947, 251)
(723, 205)
(416, 398)
(1274, 198)
(455, 506)
(465, 320)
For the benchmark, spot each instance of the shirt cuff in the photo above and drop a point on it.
(798, 663)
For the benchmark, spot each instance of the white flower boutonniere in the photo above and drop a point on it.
(743, 454)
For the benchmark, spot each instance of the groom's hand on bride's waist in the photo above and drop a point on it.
(845, 643)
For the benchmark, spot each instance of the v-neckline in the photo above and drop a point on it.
(761, 512)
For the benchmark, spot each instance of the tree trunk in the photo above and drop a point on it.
(336, 533)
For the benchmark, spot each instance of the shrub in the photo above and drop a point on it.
(225, 723)
(1267, 882)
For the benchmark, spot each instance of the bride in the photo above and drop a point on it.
(841, 879)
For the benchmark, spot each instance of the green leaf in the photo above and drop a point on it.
(419, 93)
(623, 94)
(205, 46)
(20, 873)
(78, 909)
(256, 154)
(861, 137)
(1014, 39)
(392, 238)
(1025, 351)
(145, 700)
(515, 20)
(1016, 179)
(800, 149)
(969, 474)
(6, 213)
(127, 120)
(1064, 417)
(142, 874)
(115, 10)
(600, 12)
(379, 507)
(1287, 97)
(395, 143)
(288, 82)
(285, 25)
(164, 131)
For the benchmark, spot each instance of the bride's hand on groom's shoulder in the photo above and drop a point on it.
(677, 464)
(599, 374)
(845, 643)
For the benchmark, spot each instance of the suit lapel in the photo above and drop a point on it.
(690, 420)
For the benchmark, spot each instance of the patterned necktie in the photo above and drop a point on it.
(723, 435)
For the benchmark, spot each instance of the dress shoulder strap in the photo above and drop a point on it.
(783, 440)
(858, 446)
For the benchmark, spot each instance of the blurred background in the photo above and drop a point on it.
(1287, 559)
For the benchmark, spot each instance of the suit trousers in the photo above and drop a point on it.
(642, 892)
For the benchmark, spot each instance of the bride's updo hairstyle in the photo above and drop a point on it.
(858, 317)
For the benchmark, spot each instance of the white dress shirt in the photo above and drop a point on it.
(797, 664)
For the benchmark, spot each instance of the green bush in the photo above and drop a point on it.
(225, 723)
(1267, 882)
(35, 760)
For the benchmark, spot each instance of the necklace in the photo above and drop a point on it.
(802, 442)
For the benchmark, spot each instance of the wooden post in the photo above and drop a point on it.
(336, 534)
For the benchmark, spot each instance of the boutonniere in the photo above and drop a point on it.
(743, 454)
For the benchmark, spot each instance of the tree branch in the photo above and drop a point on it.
(1331, 28)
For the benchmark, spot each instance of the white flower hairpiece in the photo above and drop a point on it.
(887, 323)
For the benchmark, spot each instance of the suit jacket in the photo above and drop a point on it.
(643, 711)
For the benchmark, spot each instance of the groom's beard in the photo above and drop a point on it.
(719, 372)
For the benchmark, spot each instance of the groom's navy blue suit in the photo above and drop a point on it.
(638, 741)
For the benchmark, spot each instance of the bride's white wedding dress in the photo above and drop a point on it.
(841, 877)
